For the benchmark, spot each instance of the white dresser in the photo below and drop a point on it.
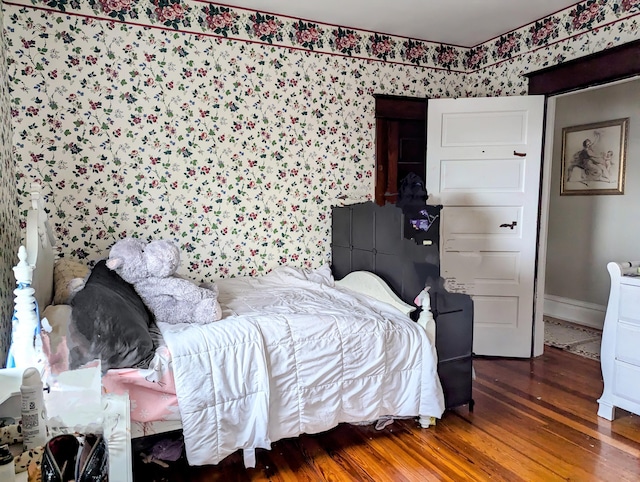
(620, 351)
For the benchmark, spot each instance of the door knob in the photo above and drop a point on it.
(512, 225)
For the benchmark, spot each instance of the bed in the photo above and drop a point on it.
(297, 351)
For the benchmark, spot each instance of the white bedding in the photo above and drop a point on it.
(294, 354)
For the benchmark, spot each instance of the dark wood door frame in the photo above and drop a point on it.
(616, 63)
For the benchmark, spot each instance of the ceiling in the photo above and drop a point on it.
(465, 23)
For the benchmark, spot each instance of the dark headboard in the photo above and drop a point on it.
(382, 239)
(374, 238)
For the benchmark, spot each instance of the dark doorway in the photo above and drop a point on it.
(401, 124)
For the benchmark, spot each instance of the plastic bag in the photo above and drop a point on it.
(74, 401)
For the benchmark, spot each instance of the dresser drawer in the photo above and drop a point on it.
(629, 306)
(628, 343)
(626, 381)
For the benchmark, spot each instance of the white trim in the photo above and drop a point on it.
(599, 86)
(117, 432)
(537, 348)
(580, 312)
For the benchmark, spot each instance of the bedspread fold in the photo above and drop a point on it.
(222, 385)
(293, 354)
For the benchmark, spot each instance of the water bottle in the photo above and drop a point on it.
(34, 417)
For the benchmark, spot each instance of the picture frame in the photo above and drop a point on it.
(594, 158)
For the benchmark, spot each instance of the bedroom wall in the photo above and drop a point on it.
(233, 132)
(10, 228)
(599, 228)
(497, 67)
(235, 149)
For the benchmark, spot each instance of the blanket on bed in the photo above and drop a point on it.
(294, 354)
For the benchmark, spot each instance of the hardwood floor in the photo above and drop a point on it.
(534, 420)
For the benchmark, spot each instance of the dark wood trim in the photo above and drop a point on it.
(381, 167)
(608, 65)
(397, 107)
(393, 153)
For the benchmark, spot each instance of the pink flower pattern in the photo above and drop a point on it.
(542, 32)
(381, 47)
(307, 35)
(585, 15)
(219, 20)
(171, 13)
(476, 57)
(415, 52)
(507, 46)
(10, 235)
(110, 6)
(236, 150)
(446, 56)
(346, 41)
(120, 9)
(264, 27)
(626, 6)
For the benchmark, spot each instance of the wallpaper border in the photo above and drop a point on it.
(200, 17)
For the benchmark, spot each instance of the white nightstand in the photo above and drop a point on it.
(116, 424)
(10, 400)
(10, 381)
(117, 431)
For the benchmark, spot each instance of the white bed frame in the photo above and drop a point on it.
(40, 259)
(35, 270)
(32, 292)
(372, 285)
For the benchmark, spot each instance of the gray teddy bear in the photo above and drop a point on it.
(151, 269)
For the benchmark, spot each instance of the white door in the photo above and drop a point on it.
(483, 166)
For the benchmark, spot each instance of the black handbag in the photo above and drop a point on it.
(83, 459)
(92, 462)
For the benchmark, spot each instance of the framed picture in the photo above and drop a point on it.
(593, 158)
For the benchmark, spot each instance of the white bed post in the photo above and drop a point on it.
(25, 322)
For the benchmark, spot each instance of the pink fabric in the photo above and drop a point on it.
(152, 391)
(58, 360)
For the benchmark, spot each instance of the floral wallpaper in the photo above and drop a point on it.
(233, 131)
(10, 230)
(236, 150)
(496, 67)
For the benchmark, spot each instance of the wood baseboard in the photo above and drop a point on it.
(575, 311)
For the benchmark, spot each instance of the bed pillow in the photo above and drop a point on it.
(109, 322)
(321, 275)
(64, 271)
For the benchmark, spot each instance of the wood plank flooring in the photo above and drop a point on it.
(534, 420)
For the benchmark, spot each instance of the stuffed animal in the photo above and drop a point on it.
(151, 269)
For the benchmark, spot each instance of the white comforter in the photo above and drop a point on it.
(293, 354)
